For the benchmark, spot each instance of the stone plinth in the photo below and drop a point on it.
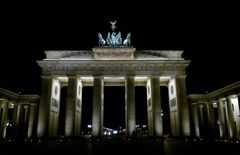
(114, 53)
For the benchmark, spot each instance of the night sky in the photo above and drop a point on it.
(208, 33)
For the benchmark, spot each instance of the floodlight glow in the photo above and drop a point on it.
(115, 132)
(89, 125)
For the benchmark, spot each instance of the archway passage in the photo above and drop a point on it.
(114, 107)
(165, 110)
(141, 107)
(87, 100)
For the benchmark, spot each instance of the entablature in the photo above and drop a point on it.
(113, 67)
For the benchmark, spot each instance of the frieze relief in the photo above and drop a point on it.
(109, 68)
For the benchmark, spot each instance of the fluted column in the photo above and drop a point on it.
(130, 114)
(73, 107)
(44, 107)
(183, 106)
(195, 119)
(3, 127)
(97, 119)
(32, 120)
(230, 119)
(221, 118)
(156, 106)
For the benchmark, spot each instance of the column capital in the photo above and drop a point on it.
(232, 96)
(221, 99)
(3, 100)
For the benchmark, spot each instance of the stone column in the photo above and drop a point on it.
(183, 106)
(72, 108)
(156, 107)
(130, 114)
(221, 118)
(212, 120)
(32, 120)
(26, 120)
(71, 105)
(230, 119)
(195, 119)
(3, 127)
(44, 107)
(97, 119)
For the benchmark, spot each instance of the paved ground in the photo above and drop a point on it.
(120, 147)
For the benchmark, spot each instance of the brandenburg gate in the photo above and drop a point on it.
(113, 63)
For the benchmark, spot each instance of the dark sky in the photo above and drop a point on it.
(208, 33)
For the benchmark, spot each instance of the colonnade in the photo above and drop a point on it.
(216, 115)
(50, 103)
(18, 115)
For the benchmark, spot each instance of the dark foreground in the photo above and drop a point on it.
(121, 147)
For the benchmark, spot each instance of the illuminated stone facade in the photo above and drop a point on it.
(113, 66)
(216, 115)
